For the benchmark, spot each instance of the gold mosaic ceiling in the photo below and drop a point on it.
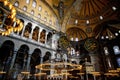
(82, 16)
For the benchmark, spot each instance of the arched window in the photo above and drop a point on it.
(46, 13)
(24, 8)
(32, 12)
(116, 50)
(45, 19)
(28, 29)
(34, 3)
(42, 36)
(39, 16)
(27, 1)
(76, 39)
(39, 8)
(16, 4)
(49, 38)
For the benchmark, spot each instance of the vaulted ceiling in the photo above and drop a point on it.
(79, 18)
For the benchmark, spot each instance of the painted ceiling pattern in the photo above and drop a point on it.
(78, 16)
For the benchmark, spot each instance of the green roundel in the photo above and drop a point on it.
(91, 45)
(64, 42)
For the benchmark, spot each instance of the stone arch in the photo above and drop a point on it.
(106, 30)
(76, 34)
(6, 50)
(22, 55)
(28, 29)
(35, 33)
(35, 59)
(6, 53)
(20, 61)
(42, 36)
(47, 56)
(49, 38)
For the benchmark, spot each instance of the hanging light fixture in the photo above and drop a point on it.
(8, 19)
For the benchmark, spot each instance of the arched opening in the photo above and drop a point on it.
(6, 49)
(21, 60)
(35, 60)
(35, 33)
(28, 29)
(49, 38)
(42, 36)
(47, 56)
(6, 53)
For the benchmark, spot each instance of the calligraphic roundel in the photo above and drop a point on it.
(91, 44)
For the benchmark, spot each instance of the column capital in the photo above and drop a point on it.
(47, 32)
(33, 27)
(16, 49)
(41, 29)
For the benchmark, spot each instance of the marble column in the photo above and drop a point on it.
(28, 62)
(41, 60)
(39, 34)
(46, 38)
(24, 63)
(13, 59)
(23, 30)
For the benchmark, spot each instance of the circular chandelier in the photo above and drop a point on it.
(8, 19)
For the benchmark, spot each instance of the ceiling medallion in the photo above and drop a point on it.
(88, 29)
(64, 42)
(91, 45)
(8, 19)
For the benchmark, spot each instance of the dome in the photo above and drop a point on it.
(76, 34)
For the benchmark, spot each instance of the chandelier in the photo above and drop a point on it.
(58, 69)
(8, 21)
